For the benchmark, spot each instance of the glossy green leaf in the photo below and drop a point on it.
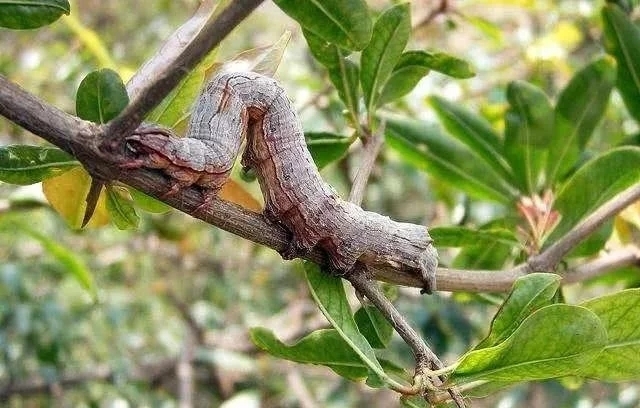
(147, 202)
(176, 107)
(622, 40)
(345, 23)
(528, 133)
(463, 236)
(580, 107)
(328, 293)
(528, 294)
(426, 148)
(593, 184)
(27, 14)
(475, 132)
(326, 147)
(23, 164)
(101, 96)
(390, 36)
(343, 73)
(620, 314)
(414, 65)
(373, 326)
(121, 210)
(555, 341)
(323, 347)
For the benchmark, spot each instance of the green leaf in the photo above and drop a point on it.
(426, 148)
(101, 96)
(344, 74)
(322, 347)
(147, 202)
(66, 258)
(390, 36)
(463, 236)
(373, 326)
(121, 210)
(620, 314)
(345, 23)
(414, 65)
(580, 107)
(622, 40)
(176, 107)
(475, 132)
(599, 180)
(528, 133)
(528, 294)
(484, 256)
(326, 147)
(23, 164)
(555, 341)
(328, 293)
(27, 14)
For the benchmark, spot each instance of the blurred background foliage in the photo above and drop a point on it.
(174, 299)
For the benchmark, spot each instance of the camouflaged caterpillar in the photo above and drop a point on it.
(237, 106)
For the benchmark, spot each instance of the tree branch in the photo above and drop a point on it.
(164, 80)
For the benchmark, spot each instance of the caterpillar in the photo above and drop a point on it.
(237, 107)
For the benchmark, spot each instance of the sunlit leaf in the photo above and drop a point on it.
(620, 314)
(593, 184)
(556, 340)
(390, 36)
(346, 23)
(263, 60)
(26, 14)
(528, 294)
(67, 194)
(148, 203)
(234, 192)
(463, 236)
(23, 164)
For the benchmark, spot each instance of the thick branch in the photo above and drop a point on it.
(158, 87)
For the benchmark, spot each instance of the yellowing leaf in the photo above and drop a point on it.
(234, 192)
(67, 193)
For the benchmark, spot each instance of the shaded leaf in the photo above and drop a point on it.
(528, 132)
(593, 184)
(622, 40)
(101, 96)
(620, 314)
(326, 147)
(556, 340)
(23, 164)
(580, 107)
(27, 14)
(323, 347)
(345, 23)
(463, 236)
(373, 326)
(390, 36)
(475, 132)
(67, 193)
(426, 148)
(121, 210)
(148, 203)
(528, 294)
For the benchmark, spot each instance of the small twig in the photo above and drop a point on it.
(627, 256)
(426, 359)
(211, 34)
(553, 255)
(372, 145)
